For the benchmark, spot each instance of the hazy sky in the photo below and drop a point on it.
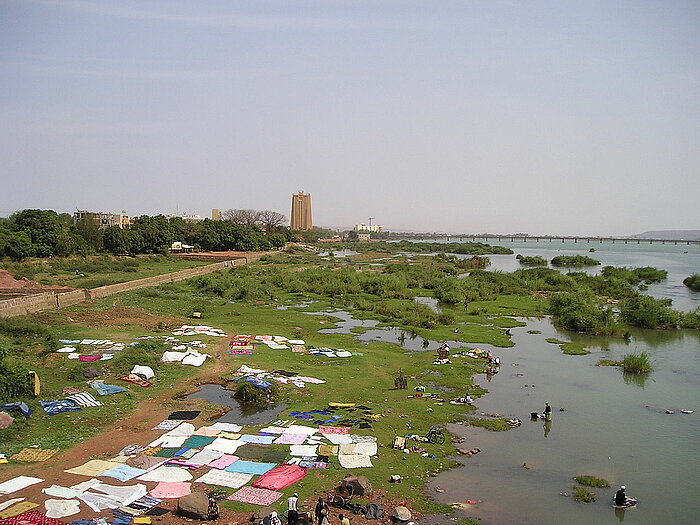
(571, 117)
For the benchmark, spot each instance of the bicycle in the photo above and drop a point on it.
(435, 435)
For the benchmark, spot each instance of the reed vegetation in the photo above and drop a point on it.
(637, 363)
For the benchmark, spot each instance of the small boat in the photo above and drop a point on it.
(630, 503)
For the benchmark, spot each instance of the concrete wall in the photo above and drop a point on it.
(53, 300)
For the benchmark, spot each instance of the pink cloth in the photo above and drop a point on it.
(290, 439)
(281, 477)
(171, 490)
(255, 496)
(204, 431)
(88, 358)
(224, 461)
(333, 430)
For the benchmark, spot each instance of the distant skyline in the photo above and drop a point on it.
(545, 117)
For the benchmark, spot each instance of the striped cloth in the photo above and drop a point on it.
(85, 400)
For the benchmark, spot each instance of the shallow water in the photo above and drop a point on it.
(614, 426)
(241, 413)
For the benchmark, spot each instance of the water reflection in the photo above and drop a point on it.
(547, 428)
(635, 379)
(240, 413)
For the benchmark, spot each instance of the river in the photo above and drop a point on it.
(613, 426)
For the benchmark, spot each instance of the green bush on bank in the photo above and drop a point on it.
(536, 260)
(693, 282)
(579, 312)
(574, 261)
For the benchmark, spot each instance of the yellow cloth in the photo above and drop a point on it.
(341, 405)
(35, 382)
(94, 467)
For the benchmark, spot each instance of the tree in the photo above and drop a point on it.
(46, 232)
(246, 217)
(89, 229)
(116, 240)
(19, 246)
(269, 220)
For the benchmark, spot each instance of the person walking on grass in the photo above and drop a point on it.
(343, 520)
(292, 511)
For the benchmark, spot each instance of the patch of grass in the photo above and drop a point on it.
(637, 363)
(608, 362)
(591, 481)
(583, 495)
(569, 347)
(494, 425)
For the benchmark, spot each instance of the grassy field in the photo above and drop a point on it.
(256, 300)
(94, 271)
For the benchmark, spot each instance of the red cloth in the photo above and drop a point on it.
(33, 517)
(280, 477)
(88, 358)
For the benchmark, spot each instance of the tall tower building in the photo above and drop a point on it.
(301, 212)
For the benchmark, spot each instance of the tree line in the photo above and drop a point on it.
(45, 233)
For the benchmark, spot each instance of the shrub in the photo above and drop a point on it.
(637, 363)
(646, 312)
(583, 495)
(14, 379)
(693, 282)
(531, 261)
(592, 481)
(574, 261)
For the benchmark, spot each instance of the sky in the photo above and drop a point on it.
(545, 117)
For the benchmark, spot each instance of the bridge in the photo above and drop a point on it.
(548, 238)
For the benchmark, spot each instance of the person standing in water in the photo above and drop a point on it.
(547, 412)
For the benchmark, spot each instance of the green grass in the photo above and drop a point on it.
(609, 362)
(494, 425)
(583, 495)
(637, 363)
(97, 270)
(568, 347)
(591, 481)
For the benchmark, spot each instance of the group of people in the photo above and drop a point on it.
(321, 513)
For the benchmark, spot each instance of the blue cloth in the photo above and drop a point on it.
(105, 389)
(56, 406)
(260, 440)
(124, 472)
(19, 405)
(260, 383)
(250, 467)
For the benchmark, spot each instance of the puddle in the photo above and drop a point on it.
(430, 302)
(389, 334)
(240, 413)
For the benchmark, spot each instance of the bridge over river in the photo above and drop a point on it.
(548, 238)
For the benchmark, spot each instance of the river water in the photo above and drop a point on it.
(613, 426)
(680, 261)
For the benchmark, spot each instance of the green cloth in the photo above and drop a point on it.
(167, 452)
(197, 441)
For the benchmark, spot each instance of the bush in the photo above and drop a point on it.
(14, 379)
(579, 312)
(592, 481)
(583, 495)
(693, 282)
(531, 261)
(637, 363)
(574, 261)
(646, 312)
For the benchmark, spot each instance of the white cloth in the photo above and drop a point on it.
(222, 478)
(301, 429)
(172, 357)
(166, 441)
(60, 508)
(354, 460)
(227, 446)
(338, 439)
(10, 502)
(62, 492)
(205, 457)
(165, 473)
(303, 450)
(226, 427)
(194, 359)
(145, 371)
(18, 483)
(366, 449)
(125, 494)
(183, 429)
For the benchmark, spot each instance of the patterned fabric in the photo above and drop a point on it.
(168, 424)
(85, 400)
(333, 430)
(255, 496)
(35, 454)
(222, 478)
(290, 439)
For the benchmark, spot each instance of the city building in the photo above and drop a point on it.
(300, 218)
(216, 215)
(187, 218)
(104, 220)
(364, 237)
(371, 228)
